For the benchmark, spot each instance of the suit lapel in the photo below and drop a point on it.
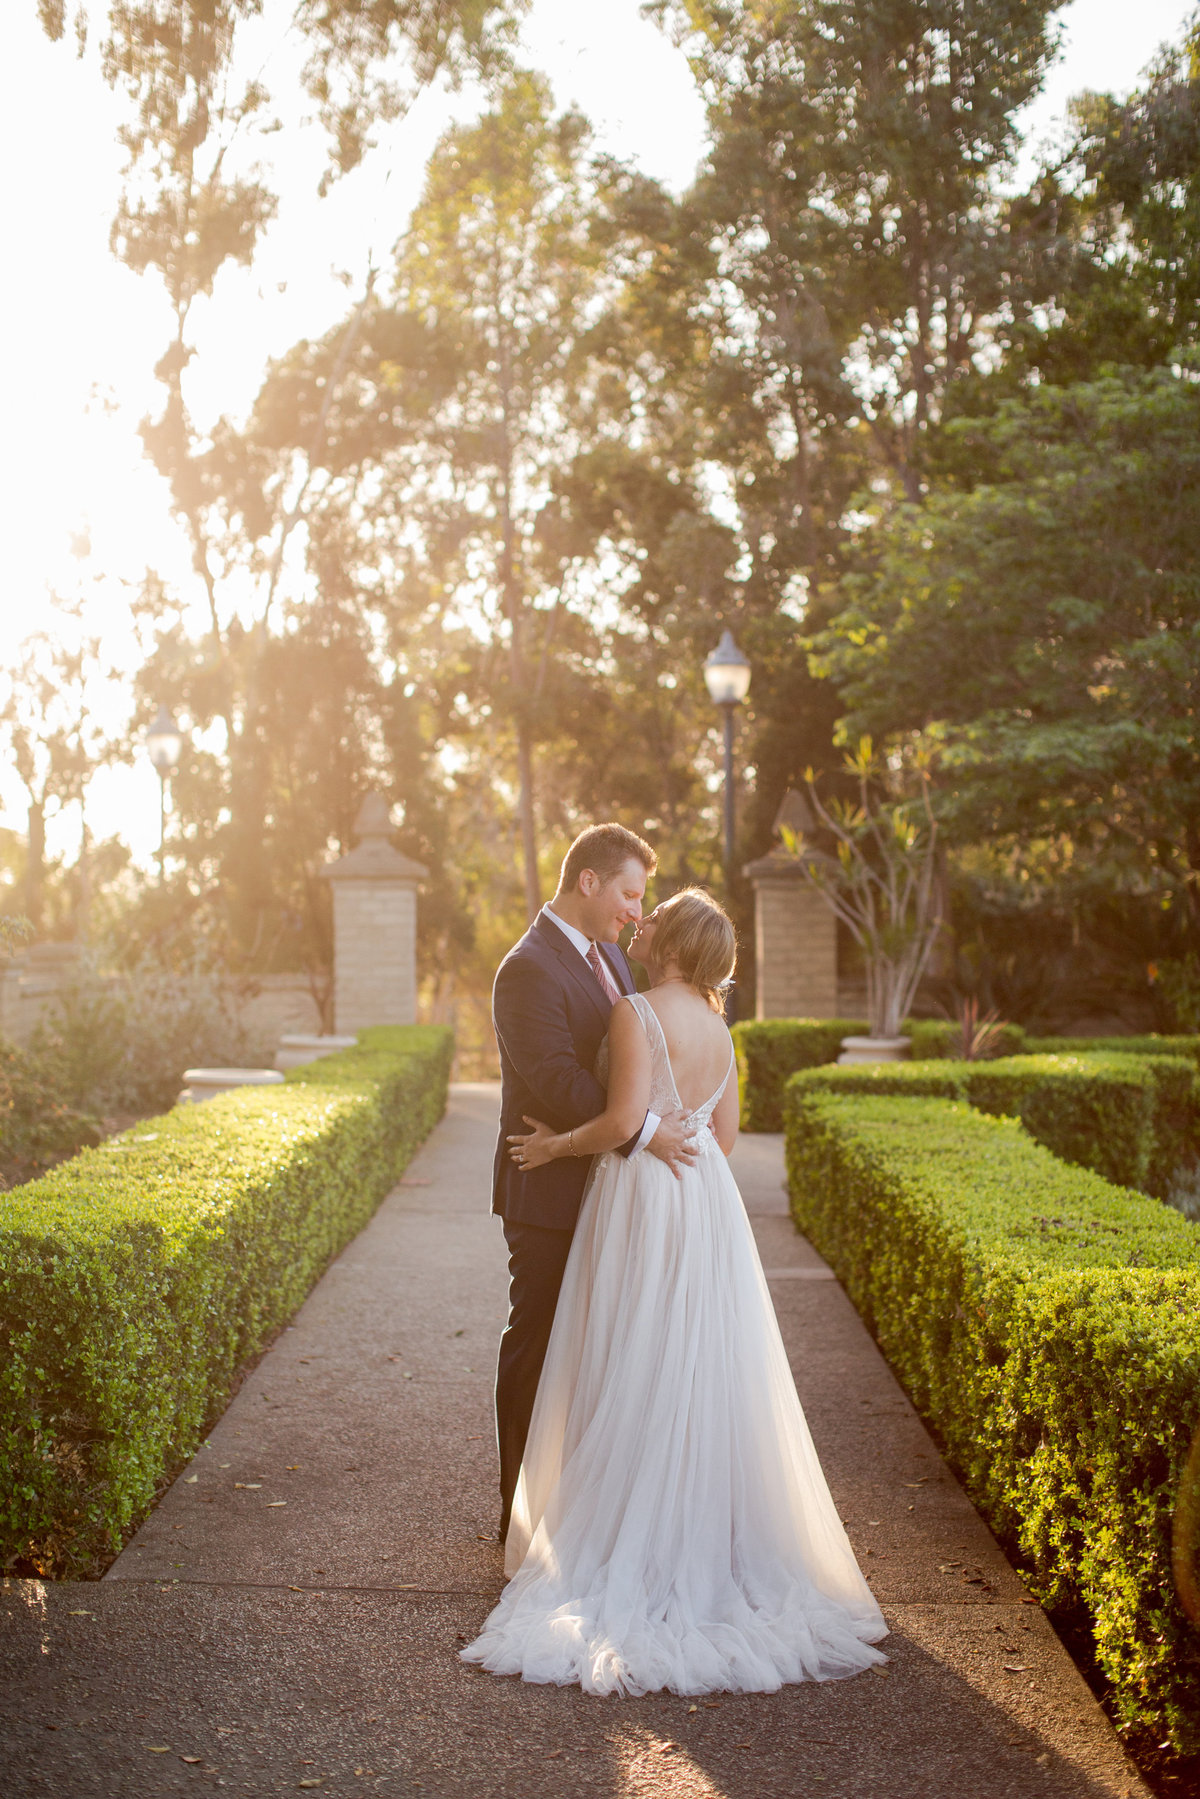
(573, 964)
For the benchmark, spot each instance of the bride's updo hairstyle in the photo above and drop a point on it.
(692, 930)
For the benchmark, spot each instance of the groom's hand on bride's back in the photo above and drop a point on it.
(673, 1144)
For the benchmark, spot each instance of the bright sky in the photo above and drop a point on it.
(83, 333)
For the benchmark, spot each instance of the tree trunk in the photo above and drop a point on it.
(35, 866)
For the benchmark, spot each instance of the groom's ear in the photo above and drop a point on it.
(588, 883)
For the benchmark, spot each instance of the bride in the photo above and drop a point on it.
(672, 1526)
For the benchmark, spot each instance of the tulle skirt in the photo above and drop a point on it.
(672, 1527)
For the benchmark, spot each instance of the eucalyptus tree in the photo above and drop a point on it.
(198, 196)
(494, 412)
(853, 182)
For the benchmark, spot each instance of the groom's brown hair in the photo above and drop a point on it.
(605, 849)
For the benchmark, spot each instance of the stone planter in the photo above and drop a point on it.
(206, 1083)
(873, 1049)
(296, 1049)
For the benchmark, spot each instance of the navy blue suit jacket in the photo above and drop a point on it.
(551, 1017)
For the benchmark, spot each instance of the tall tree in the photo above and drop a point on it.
(1037, 624)
(490, 410)
(196, 200)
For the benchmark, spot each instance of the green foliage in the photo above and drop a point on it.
(771, 1049)
(931, 1037)
(37, 1124)
(1044, 1322)
(1036, 620)
(1149, 1045)
(1133, 1119)
(1177, 979)
(136, 1279)
(122, 1043)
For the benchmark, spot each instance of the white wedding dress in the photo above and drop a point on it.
(672, 1526)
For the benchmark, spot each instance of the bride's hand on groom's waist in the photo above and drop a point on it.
(673, 1144)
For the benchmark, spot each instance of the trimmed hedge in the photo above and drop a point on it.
(1133, 1119)
(1045, 1322)
(1150, 1045)
(771, 1049)
(136, 1279)
(934, 1038)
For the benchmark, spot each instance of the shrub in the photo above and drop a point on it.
(138, 1278)
(771, 1049)
(37, 1126)
(933, 1037)
(1133, 1119)
(122, 1044)
(1149, 1045)
(1044, 1321)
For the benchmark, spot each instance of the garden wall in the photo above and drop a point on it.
(139, 1277)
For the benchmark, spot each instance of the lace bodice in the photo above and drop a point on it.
(664, 1096)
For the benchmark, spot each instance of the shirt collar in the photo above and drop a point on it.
(582, 943)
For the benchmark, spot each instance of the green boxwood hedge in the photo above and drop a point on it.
(136, 1279)
(1046, 1323)
(771, 1049)
(1150, 1045)
(1133, 1119)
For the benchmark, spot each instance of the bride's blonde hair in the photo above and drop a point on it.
(694, 931)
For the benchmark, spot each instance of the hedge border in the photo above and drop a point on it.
(139, 1277)
(1044, 1321)
(1133, 1119)
(771, 1049)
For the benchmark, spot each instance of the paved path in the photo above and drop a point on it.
(288, 1618)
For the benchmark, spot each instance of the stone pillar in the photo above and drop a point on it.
(374, 926)
(795, 942)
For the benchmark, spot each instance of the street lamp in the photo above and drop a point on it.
(164, 745)
(727, 677)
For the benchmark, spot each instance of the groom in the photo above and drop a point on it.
(550, 1005)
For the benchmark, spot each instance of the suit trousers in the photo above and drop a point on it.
(537, 1258)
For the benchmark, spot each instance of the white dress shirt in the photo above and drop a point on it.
(583, 944)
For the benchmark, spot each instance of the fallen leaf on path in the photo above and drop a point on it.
(272, 1503)
(882, 1672)
(81, 1614)
(292, 1468)
(308, 1783)
(248, 1486)
(191, 1760)
(191, 1480)
(158, 1748)
(1016, 1667)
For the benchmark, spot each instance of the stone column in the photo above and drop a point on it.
(795, 942)
(374, 926)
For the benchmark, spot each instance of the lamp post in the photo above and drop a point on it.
(164, 745)
(727, 677)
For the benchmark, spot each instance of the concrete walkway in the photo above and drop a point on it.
(288, 1618)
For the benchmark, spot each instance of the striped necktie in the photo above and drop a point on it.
(596, 964)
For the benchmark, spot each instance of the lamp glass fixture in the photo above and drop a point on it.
(727, 673)
(164, 742)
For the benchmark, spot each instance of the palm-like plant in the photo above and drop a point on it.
(881, 880)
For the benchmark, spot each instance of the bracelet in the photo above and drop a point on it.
(570, 1143)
